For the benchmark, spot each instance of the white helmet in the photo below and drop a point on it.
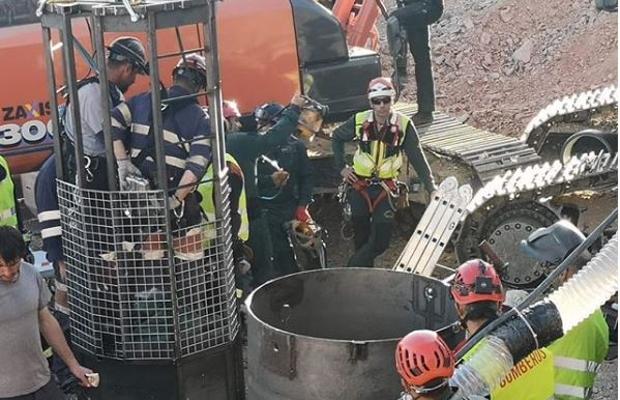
(381, 87)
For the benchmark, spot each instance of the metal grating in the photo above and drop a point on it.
(130, 297)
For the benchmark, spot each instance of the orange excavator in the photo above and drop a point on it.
(268, 50)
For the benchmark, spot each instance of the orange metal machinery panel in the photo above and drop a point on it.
(258, 52)
(258, 63)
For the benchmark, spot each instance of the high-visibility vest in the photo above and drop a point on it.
(375, 158)
(8, 211)
(208, 206)
(530, 379)
(577, 357)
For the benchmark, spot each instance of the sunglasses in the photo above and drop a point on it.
(381, 100)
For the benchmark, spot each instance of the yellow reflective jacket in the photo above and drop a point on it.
(208, 206)
(8, 212)
(530, 379)
(379, 158)
(577, 357)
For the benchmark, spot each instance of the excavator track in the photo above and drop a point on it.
(513, 177)
(486, 153)
(576, 109)
(508, 209)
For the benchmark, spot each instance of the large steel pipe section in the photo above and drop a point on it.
(331, 334)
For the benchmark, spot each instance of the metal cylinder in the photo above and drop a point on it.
(331, 334)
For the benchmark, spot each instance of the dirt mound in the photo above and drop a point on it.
(498, 62)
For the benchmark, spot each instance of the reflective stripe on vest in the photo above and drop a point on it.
(578, 356)
(568, 391)
(8, 215)
(376, 162)
(575, 364)
(208, 206)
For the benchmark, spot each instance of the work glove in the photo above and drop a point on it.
(302, 214)
(279, 178)
(126, 169)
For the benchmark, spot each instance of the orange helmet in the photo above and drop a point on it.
(421, 358)
(476, 281)
(381, 87)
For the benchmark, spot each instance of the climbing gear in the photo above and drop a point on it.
(346, 227)
(309, 236)
(476, 281)
(423, 357)
(391, 191)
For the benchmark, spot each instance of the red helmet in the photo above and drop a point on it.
(476, 281)
(230, 109)
(380, 87)
(422, 357)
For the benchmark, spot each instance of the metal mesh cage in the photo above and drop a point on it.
(130, 297)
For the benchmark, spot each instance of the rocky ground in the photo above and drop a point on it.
(497, 63)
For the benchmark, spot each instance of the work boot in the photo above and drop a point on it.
(422, 118)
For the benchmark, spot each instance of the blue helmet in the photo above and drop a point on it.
(268, 113)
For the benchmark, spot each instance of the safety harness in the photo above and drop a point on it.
(91, 163)
(378, 159)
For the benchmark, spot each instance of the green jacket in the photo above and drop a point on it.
(246, 147)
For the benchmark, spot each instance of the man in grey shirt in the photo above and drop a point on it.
(126, 59)
(24, 373)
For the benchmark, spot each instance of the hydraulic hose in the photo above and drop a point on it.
(549, 280)
(539, 324)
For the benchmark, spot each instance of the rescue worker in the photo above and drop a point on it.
(416, 16)
(382, 136)
(187, 148)
(578, 355)
(237, 205)
(125, 60)
(285, 192)
(478, 295)
(246, 147)
(425, 364)
(46, 200)
(8, 205)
